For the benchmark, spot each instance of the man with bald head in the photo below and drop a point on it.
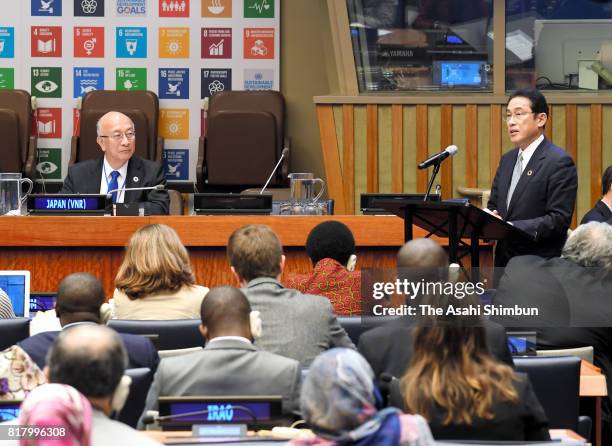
(388, 348)
(80, 299)
(229, 364)
(119, 170)
(92, 359)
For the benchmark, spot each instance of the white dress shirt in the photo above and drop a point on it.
(106, 179)
(528, 152)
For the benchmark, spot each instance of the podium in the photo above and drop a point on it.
(457, 220)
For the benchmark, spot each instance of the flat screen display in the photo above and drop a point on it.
(9, 410)
(461, 73)
(16, 284)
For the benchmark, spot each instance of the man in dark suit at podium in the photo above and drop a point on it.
(119, 169)
(535, 185)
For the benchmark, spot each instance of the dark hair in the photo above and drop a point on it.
(80, 293)
(606, 180)
(225, 307)
(93, 368)
(535, 96)
(255, 251)
(330, 239)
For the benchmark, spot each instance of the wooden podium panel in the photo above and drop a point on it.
(52, 247)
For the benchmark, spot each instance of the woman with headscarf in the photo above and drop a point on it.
(60, 409)
(339, 401)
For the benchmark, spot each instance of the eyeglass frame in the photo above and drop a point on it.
(119, 137)
(517, 116)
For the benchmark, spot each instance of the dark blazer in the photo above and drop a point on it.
(542, 203)
(601, 212)
(523, 420)
(85, 178)
(388, 348)
(140, 350)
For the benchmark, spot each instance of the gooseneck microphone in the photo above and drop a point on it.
(439, 157)
(149, 419)
(157, 187)
(283, 155)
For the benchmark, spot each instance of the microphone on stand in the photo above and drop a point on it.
(283, 155)
(157, 187)
(127, 209)
(439, 157)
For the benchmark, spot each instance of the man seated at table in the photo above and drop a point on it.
(229, 364)
(119, 169)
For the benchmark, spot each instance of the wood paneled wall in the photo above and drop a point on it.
(375, 147)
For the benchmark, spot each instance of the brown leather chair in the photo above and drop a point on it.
(244, 141)
(141, 106)
(18, 147)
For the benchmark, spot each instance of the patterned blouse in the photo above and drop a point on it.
(332, 280)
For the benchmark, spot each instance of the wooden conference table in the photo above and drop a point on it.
(52, 247)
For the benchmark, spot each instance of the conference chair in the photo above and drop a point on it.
(18, 147)
(13, 330)
(141, 106)
(135, 403)
(172, 334)
(556, 383)
(244, 140)
(355, 326)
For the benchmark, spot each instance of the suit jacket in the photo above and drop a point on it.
(524, 420)
(388, 348)
(85, 178)
(227, 367)
(601, 212)
(140, 350)
(295, 325)
(542, 203)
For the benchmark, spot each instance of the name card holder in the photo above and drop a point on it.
(69, 204)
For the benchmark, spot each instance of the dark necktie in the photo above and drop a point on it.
(114, 184)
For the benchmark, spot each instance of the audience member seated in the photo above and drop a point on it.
(229, 364)
(58, 406)
(602, 211)
(18, 374)
(331, 248)
(388, 348)
(295, 325)
(6, 307)
(580, 282)
(155, 280)
(341, 404)
(461, 389)
(92, 359)
(80, 299)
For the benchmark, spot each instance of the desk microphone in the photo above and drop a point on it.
(283, 154)
(439, 157)
(158, 187)
(149, 419)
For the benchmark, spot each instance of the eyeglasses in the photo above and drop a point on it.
(117, 137)
(518, 116)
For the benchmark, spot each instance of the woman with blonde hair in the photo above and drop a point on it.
(462, 390)
(155, 280)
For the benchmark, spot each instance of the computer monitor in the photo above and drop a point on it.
(41, 302)
(471, 74)
(522, 343)
(9, 410)
(261, 411)
(16, 284)
(561, 44)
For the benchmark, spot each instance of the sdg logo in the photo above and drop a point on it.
(87, 79)
(89, 41)
(215, 80)
(49, 123)
(132, 43)
(7, 78)
(176, 164)
(46, 82)
(89, 8)
(131, 8)
(131, 79)
(46, 8)
(173, 83)
(7, 43)
(259, 9)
